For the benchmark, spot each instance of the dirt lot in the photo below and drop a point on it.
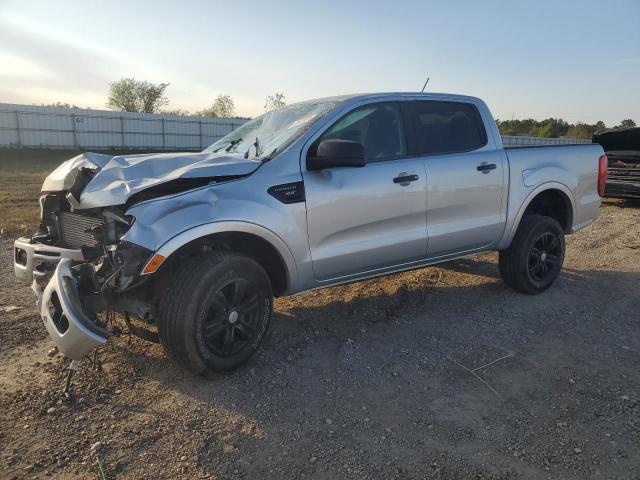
(370, 380)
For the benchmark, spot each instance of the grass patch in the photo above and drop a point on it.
(22, 172)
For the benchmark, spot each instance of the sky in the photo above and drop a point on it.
(579, 60)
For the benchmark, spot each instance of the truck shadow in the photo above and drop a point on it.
(386, 359)
(458, 302)
(475, 266)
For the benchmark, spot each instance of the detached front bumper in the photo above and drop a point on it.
(73, 332)
(48, 269)
(36, 261)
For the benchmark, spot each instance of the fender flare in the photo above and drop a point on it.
(187, 236)
(511, 231)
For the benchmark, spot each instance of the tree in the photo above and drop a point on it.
(152, 96)
(545, 131)
(60, 105)
(627, 123)
(274, 102)
(600, 126)
(222, 107)
(551, 127)
(581, 130)
(176, 111)
(131, 95)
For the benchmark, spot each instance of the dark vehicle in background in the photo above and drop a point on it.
(622, 147)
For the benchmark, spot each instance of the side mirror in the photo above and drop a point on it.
(337, 153)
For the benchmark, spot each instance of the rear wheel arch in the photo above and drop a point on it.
(553, 203)
(564, 216)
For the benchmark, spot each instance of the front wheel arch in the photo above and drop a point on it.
(252, 246)
(284, 270)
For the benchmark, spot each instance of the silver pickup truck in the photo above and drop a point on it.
(315, 194)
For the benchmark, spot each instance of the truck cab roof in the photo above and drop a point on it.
(358, 97)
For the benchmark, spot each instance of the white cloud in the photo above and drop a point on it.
(14, 66)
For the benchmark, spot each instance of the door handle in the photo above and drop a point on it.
(485, 167)
(405, 179)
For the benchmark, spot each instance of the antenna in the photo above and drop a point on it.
(425, 85)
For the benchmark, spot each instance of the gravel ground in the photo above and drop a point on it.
(387, 378)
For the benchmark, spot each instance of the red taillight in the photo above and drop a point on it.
(602, 174)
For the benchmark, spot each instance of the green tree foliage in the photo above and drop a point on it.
(549, 128)
(274, 102)
(626, 123)
(555, 127)
(131, 95)
(60, 105)
(176, 111)
(581, 130)
(223, 107)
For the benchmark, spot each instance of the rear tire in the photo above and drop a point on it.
(533, 261)
(215, 312)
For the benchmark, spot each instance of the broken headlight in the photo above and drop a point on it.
(130, 258)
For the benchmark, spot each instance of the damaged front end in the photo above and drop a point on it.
(81, 264)
(80, 271)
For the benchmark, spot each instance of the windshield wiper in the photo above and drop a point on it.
(232, 143)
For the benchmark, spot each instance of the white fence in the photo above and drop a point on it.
(30, 126)
(509, 141)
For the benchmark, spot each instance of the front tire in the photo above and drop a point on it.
(534, 259)
(215, 312)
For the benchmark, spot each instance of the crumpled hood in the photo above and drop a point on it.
(120, 177)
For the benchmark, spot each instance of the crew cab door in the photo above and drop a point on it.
(465, 176)
(368, 218)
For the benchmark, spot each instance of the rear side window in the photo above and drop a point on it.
(445, 127)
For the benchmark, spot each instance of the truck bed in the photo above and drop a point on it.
(574, 166)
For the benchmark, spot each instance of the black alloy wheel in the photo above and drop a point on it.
(232, 318)
(214, 311)
(534, 259)
(544, 257)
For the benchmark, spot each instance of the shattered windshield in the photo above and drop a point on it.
(272, 132)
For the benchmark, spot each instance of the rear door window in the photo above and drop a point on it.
(445, 127)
